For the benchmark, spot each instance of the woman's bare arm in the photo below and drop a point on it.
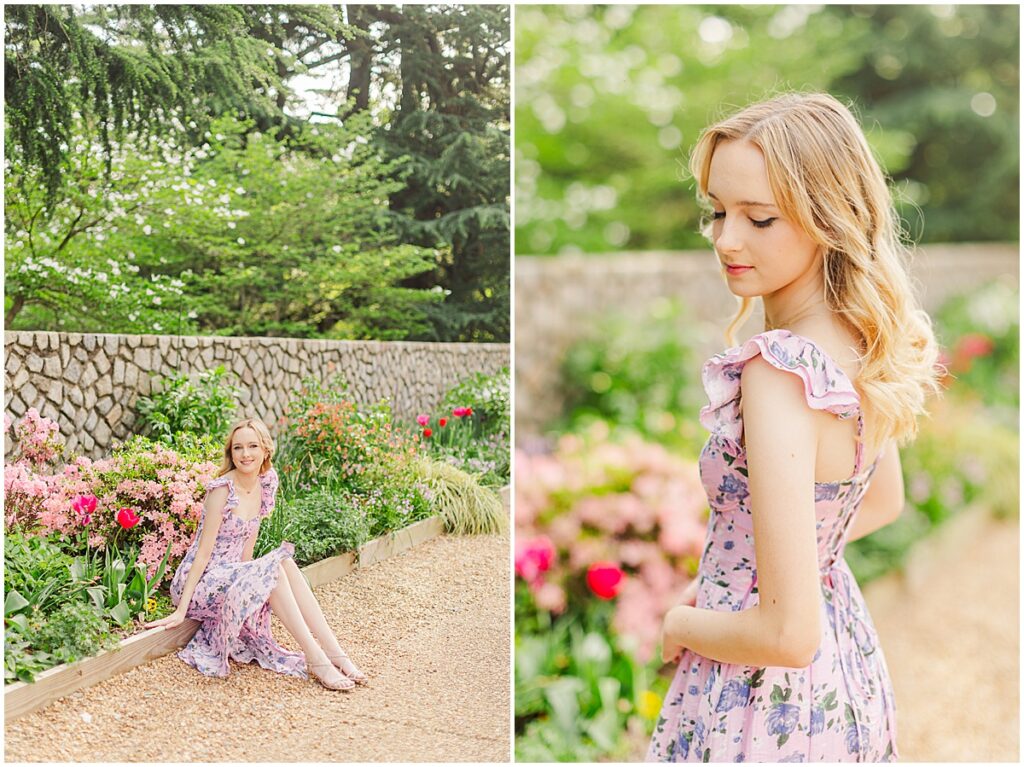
(784, 628)
(213, 514)
(884, 500)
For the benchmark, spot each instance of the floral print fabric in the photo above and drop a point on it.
(840, 707)
(232, 596)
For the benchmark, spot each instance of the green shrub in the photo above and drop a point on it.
(203, 404)
(331, 442)
(76, 630)
(638, 372)
(326, 523)
(38, 574)
(488, 395)
(578, 689)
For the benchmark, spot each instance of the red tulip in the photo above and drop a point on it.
(427, 432)
(127, 518)
(605, 579)
(469, 411)
(442, 422)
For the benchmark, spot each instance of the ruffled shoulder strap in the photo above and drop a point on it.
(826, 386)
(232, 501)
(268, 491)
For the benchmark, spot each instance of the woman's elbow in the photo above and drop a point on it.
(798, 646)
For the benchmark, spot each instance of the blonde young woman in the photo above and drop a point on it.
(219, 583)
(778, 658)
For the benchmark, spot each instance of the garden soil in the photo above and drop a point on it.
(949, 625)
(429, 626)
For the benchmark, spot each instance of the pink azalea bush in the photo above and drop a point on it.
(145, 494)
(625, 522)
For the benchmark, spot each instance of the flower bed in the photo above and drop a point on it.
(21, 698)
(107, 535)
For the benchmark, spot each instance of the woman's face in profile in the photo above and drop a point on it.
(760, 251)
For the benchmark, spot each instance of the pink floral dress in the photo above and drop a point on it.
(231, 598)
(840, 707)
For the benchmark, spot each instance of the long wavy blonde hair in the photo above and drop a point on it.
(826, 180)
(265, 440)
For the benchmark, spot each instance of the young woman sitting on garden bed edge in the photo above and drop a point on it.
(233, 594)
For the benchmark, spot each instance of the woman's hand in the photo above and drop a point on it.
(689, 596)
(171, 621)
(670, 648)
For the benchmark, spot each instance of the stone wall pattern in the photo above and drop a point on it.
(559, 299)
(88, 382)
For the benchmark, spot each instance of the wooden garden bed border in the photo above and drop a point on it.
(22, 698)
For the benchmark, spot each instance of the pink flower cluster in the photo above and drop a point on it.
(151, 496)
(627, 519)
(38, 437)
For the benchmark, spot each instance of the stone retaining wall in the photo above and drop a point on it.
(559, 299)
(89, 382)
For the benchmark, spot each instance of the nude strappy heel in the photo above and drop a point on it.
(352, 671)
(338, 681)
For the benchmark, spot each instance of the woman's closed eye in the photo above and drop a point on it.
(759, 223)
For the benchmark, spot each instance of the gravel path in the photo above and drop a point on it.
(949, 627)
(431, 628)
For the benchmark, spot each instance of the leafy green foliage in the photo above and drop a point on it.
(453, 122)
(576, 687)
(610, 99)
(76, 630)
(159, 69)
(330, 441)
(124, 588)
(326, 523)
(488, 395)
(477, 442)
(241, 235)
(37, 573)
(203, 406)
(640, 373)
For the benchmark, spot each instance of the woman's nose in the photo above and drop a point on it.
(728, 240)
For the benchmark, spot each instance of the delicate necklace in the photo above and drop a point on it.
(247, 491)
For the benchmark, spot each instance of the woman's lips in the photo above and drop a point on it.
(738, 269)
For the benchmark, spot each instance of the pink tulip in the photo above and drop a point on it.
(459, 412)
(605, 579)
(423, 419)
(534, 558)
(975, 345)
(84, 506)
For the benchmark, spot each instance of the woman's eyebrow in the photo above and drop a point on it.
(746, 203)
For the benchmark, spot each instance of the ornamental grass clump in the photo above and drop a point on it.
(466, 506)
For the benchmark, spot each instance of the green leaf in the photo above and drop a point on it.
(14, 602)
(121, 614)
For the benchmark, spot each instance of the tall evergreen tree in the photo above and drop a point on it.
(452, 121)
(154, 69)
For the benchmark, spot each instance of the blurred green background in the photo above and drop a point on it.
(610, 99)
